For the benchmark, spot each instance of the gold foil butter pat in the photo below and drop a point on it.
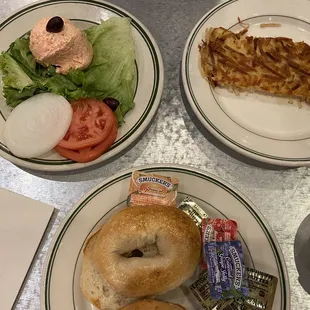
(191, 208)
(148, 189)
(262, 287)
(201, 290)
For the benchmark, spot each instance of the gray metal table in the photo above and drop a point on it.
(176, 136)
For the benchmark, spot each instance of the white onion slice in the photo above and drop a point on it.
(37, 125)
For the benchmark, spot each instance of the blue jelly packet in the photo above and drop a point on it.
(227, 275)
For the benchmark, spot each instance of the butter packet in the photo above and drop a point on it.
(262, 290)
(191, 208)
(236, 306)
(227, 276)
(201, 291)
(148, 189)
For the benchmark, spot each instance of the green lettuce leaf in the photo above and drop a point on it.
(61, 85)
(112, 72)
(12, 74)
(77, 77)
(20, 51)
(14, 96)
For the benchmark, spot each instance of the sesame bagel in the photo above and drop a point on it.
(171, 230)
(94, 287)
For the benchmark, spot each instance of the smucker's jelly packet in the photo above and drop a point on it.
(148, 189)
(191, 208)
(227, 276)
(218, 230)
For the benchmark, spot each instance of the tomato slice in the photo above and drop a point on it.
(91, 153)
(92, 121)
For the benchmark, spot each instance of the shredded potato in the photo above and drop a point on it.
(266, 25)
(243, 24)
(274, 65)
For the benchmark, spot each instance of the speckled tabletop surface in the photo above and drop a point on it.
(176, 136)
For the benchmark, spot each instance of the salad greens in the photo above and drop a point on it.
(112, 72)
(112, 45)
(13, 74)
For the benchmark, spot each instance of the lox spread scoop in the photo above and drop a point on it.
(57, 41)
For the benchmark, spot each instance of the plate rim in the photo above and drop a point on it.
(181, 169)
(208, 124)
(141, 124)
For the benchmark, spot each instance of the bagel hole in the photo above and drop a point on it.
(134, 253)
(149, 250)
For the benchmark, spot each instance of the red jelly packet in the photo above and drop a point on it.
(217, 230)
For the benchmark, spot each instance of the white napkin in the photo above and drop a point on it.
(22, 224)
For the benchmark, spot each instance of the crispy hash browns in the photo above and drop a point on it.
(274, 65)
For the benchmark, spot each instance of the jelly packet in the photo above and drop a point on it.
(147, 189)
(191, 208)
(227, 276)
(218, 230)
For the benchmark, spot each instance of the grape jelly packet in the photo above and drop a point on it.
(227, 275)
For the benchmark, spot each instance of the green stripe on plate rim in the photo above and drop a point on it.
(168, 169)
(190, 44)
(147, 40)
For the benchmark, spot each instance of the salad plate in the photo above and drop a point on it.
(63, 264)
(263, 127)
(149, 69)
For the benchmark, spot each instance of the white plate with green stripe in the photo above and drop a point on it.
(265, 128)
(84, 14)
(60, 282)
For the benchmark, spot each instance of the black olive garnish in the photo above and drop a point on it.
(55, 24)
(111, 103)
